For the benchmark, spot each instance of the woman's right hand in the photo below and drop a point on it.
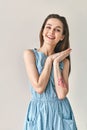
(60, 56)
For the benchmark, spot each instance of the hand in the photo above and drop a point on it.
(58, 57)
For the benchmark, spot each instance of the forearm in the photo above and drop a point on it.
(44, 76)
(60, 84)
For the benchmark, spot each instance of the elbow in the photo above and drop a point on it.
(39, 90)
(62, 95)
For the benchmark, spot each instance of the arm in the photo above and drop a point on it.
(39, 82)
(61, 87)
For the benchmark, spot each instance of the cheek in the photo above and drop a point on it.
(43, 34)
(58, 36)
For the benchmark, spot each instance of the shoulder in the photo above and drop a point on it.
(28, 53)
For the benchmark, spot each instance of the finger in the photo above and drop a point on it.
(64, 55)
(67, 51)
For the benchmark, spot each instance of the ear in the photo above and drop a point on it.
(62, 37)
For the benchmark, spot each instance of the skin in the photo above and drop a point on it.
(52, 34)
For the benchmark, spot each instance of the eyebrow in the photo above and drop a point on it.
(51, 25)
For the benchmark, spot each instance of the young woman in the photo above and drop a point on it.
(48, 70)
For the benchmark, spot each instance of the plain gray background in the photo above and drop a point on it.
(20, 23)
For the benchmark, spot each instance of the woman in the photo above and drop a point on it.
(48, 70)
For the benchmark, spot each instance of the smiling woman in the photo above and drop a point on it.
(53, 31)
(48, 70)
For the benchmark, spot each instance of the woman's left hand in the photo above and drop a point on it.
(62, 55)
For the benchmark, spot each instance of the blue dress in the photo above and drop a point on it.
(46, 111)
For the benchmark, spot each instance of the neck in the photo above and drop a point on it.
(47, 50)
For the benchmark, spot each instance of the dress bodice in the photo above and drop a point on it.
(50, 88)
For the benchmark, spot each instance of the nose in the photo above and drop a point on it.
(52, 31)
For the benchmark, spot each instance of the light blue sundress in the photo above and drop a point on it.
(46, 111)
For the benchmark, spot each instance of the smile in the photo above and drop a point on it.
(51, 37)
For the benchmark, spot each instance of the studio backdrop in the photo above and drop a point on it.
(20, 23)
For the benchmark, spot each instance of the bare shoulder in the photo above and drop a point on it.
(28, 54)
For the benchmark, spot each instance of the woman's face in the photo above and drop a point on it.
(53, 31)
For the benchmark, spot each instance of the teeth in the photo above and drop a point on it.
(51, 37)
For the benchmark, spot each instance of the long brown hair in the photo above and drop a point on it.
(61, 45)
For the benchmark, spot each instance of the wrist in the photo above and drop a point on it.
(49, 60)
(55, 62)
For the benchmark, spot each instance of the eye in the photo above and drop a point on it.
(48, 27)
(57, 30)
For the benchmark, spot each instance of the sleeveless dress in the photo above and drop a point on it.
(46, 111)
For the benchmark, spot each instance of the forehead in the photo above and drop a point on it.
(54, 22)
